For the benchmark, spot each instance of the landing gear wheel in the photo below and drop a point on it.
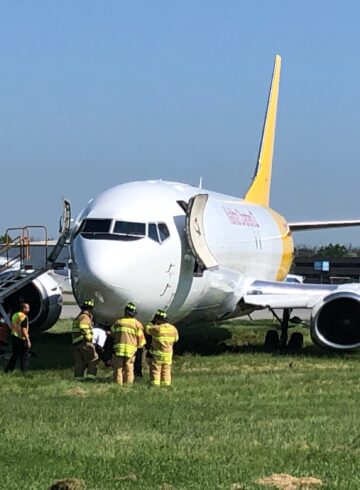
(296, 342)
(272, 341)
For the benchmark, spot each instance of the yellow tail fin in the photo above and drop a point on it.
(259, 190)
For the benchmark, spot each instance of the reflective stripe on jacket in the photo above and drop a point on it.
(16, 324)
(82, 328)
(128, 336)
(163, 339)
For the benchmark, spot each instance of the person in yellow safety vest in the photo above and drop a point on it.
(128, 334)
(163, 337)
(20, 339)
(85, 356)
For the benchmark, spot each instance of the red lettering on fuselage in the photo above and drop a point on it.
(241, 219)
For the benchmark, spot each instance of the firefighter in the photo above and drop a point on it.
(128, 335)
(85, 356)
(20, 339)
(163, 337)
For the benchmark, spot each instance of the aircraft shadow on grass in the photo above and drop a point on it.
(53, 350)
(214, 340)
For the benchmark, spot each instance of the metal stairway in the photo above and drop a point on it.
(17, 269)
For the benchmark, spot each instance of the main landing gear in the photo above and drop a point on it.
(274, 341)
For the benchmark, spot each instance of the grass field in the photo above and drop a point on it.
(230, 418)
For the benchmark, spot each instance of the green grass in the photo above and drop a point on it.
(230, 418)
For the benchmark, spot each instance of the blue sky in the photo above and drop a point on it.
(96, 93)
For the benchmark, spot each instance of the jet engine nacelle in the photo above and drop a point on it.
(335, 321)
(45, 299)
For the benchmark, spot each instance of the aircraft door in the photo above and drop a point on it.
(194, 229)
(65, 225)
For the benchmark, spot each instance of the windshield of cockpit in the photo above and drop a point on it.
(107, 229)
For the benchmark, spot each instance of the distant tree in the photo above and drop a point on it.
(355, 251)
(332, 250)
(5, 238)
(305, 251)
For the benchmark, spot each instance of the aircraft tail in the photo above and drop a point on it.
(259, 190)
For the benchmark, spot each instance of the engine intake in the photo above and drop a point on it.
(45, 300)
(335, 321)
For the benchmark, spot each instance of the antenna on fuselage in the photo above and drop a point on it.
(200, 182)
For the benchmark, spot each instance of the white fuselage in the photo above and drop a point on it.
(248, 241)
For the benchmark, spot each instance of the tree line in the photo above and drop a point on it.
(332, 250)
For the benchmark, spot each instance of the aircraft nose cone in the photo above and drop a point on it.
(104, 264)
(104, 274)
(114, 272)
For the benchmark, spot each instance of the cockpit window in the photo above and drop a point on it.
(95, 226)
(106, 229)
(128, 228)
(163, 231)
(158, 232)
(153, 232)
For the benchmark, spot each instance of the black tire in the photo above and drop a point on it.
(296, 342)
(272, 341)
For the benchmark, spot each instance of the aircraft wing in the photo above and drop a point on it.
(276, 294)
(318, 225)
(335, 309)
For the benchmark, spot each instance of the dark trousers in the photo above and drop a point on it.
(21, 351)
(138, 365)
(107, 352)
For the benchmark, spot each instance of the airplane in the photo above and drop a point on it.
(205, 256)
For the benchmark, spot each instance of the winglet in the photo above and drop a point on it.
(259, 190)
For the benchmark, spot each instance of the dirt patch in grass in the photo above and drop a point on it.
(77, 391)
(68, 484)
(288, 482)
(130, 477)
(102, 389)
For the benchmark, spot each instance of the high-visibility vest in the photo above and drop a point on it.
(128, 336)
(163, 339)
(16, 322)
(82, 328)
